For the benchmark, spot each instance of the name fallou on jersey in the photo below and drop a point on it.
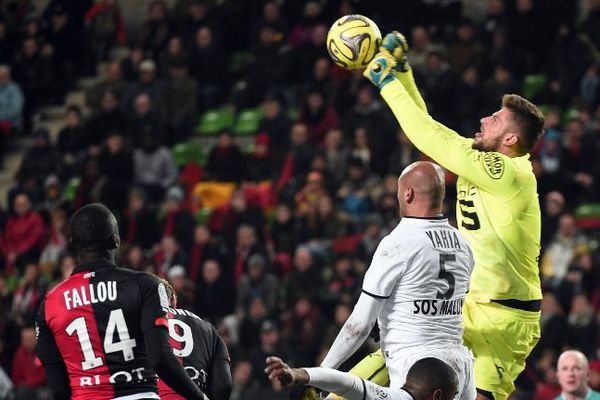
(442, 305)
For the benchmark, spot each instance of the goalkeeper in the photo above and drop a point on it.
(497, 210)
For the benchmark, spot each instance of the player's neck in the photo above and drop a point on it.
(422, 212)
(86, 257)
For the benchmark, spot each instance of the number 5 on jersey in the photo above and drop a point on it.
(116, 322)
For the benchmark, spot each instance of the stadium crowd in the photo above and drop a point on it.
(268, 240)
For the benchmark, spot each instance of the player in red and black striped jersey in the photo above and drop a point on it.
(103, 332)
(202, 352)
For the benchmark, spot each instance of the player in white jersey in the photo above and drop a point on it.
(415, 287)
(427, 379)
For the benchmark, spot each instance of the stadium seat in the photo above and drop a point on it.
(569, 114)
(186, 152)
(203, 215)
(247, 121)
(532, 85)
(213, 121)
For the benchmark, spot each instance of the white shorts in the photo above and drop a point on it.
(458, 357)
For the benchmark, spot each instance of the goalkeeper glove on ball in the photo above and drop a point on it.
(395, 43)
(380, 70)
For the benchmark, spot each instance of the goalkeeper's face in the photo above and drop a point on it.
(492, 131)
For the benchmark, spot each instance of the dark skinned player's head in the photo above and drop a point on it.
(431, 379)
(93, 229)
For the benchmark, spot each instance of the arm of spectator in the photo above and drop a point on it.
(170, 170)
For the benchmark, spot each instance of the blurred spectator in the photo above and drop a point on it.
(303, 327)
(573, 373)
(271, 17)
(242, 380)
(130, 65)
(204, 247)
(210, 302)
(501, 52)
(322, 224)
(28, 376)
(72, 140)
(33, 71)
(553, 324)
(247, 244)
(28, 295)
(11, 103)
(306, 55)
(403, 154)
(179, 107)
(53, 196)
(112, 82)
(284, 230)
(318, 117)
(358, 191)
(24, 234)
(184, 289)
(257, 281)
(307, 197)
(57, 240)
(226, 162)
(297, 160)
(577, 148)
(175, 219)
(337, 154)
(276, 124)
(302, 31)
(467, 51)
(147, 83)
(360, 147)
(374, 232)
(267, 66)
(197, 15)
(342, 284)
(109, 118)
(582, 326)
(145, 121)
(567, 243)
(116, 169)
(173, 54)
(420, 47)
(5, 45)
(589, 87)
(554, 203)
(261, 163)
(39, 161)
(270, 345)
(138, 220)
(304, 280)
(154, 167)
(495, 87)
(251, 323)
(156, 30)
(205, 55)
(469, 101)
(133, 257)
(105, 28)
(167, 254)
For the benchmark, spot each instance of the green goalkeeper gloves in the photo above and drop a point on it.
(395, 43)
(391, 58)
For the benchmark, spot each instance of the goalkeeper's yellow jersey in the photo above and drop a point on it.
(497, 203)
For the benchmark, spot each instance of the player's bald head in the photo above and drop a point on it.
(431, 378)
(426, 179)
(581, 359)
(94, 228)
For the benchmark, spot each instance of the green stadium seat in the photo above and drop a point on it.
(248, 121)
(213, 121)
(533, 84)
(186, 152)
(569, 114)
(588, 215)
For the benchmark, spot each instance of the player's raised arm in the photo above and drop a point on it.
(156, 338)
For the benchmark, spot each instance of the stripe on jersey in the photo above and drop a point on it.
(375, 295)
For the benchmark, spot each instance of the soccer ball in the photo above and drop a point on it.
(353, 41)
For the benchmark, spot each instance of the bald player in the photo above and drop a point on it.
(572, 371)
(427, 379)
(415, 287)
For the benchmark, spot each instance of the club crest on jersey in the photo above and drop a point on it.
(493, 163)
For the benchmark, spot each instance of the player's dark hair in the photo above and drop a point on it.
(93, 228)
(529, 120)
(430, 374)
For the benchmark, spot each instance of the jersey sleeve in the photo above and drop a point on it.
(155, 303)
(385, 269)
(47, 350)
(488, 170)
